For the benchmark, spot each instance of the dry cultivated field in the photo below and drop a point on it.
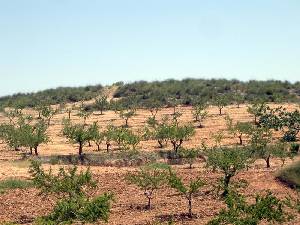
(22, 206)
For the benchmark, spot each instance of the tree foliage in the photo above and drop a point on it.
(228, 160)
(149, 179)
(187, 190)
(70, 187)
(266, 207)
(200, 112)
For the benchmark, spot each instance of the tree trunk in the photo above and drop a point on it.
(90, 145)
(36, 150)
(174, 146)
(241, 140)
(149, 203)
(268, 161)
(179, 145)
(107, 146)
(98, 147)
(226, 184)
(30, 150)
(80, 151)
(190, 207)
(69, 115)
(80, 148)
(126, 122)
(220, 111)
(101, 111)
(160, 143)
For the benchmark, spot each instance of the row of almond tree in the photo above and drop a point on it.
(26, 131)
(70, 187)
(74, 203)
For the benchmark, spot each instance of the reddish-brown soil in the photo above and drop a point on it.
(23, 206)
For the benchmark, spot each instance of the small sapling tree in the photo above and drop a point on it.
(70, 188)
(200, 113)
(173, 102)
(188, 191)
(101, 103)
(239, 99)
(239, 129)
(36, 136)
(69, 110)
(260, 139)
(131, 140)
(218, 137)
(82, 113)
(149, 178)
(221, 101)
(229, 160)
(77, 133)
(257, 109)
(109, 136)
(126, 115)
(46, 112)
(190, 155)
(159, 131)
(154, 107)
(266, 207)
(95, 135)
(12, 115)
(179, 133)
(280, 150)
(11, 135)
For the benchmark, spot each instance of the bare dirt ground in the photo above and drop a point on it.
(22, 206)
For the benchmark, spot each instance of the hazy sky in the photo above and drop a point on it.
(49, 43)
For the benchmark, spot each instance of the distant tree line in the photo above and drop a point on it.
(189, 91)
(51, 96)
(163, 93)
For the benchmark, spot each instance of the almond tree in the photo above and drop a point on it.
(70, 188)
(200, 113)
(228, 160)
(109, 136)
(221, 101)
(96, 135)
(77, 133)
(239, 99)
(101, 103)
(153, 107)
(239, 129)
(84, 113)
(179, 133)
(190, 155)
(257, 109)
(149, 178)
(161, 132)
(36, 136)
(261, 137)
(47, 113)
(188, 191)
(126, 115)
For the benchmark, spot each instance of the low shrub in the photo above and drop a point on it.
(14, 183)
(290, 175)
